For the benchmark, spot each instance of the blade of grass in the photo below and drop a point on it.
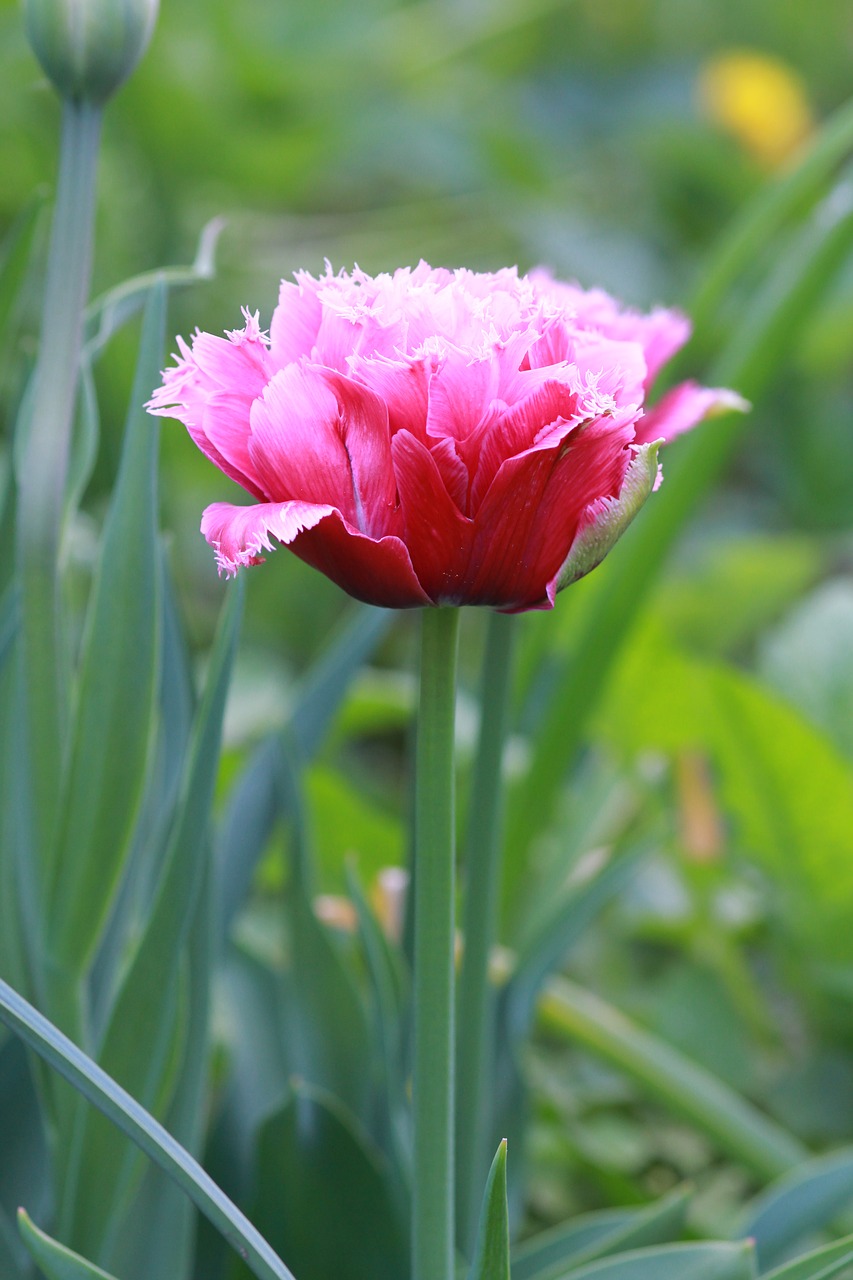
(141, 1127)
(566, 1009)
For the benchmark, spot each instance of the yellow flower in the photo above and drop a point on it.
(760, 100)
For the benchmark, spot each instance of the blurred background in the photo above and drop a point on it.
(613, 141)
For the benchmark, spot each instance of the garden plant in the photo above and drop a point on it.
(483, 909)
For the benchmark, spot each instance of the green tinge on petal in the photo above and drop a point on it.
(613, 517)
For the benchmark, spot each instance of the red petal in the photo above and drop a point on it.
(376, 571)
(437, 534)
(530, 515)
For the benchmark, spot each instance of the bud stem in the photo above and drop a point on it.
(45, 426)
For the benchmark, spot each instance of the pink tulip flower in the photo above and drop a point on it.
(435, 437)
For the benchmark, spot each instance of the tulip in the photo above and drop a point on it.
(435, 437)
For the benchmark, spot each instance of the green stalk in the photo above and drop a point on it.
(482, 891)
(43, 466)
(432, 1207)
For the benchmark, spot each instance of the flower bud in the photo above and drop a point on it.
(88, 48)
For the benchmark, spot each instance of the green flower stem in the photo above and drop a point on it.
(43, 465)
(432, 1209)
(482, 866)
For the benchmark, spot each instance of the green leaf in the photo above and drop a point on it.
(787, 197)
(14, 1259)
(21, 246)
(560, 926)
(715, 1261)
(491, 1252)
(105, 315)
(807, 659)
(820, 1264)
(146, 1008)
(326, 1032)
(141, 1127)
(788, 790)
(568, 1010)
(57, 1262)
(157, 1234)
(84, 440)
(250, 818)
(799, 1204)
(115, 699)
(25, 1167)
(777, 317)
(549, 940)
(10, 620)
(347, 823)
(324, 687)
(598, 1235)
(388, 988)
(325, 1197)
(270, 786)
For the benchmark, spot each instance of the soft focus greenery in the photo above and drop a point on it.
(686, 857)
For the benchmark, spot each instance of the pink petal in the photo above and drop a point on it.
(319, 437)
(403, 385)
(295, 321)
(366, 438)
(238, 535)
(225, 434)
(376, 571)
(460, 394)
(684, 406)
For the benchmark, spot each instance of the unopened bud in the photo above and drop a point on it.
(88, 48)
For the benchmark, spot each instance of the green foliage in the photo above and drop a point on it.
(491, 1252)
(674, 999)
(57, 1262)
(321, 1181)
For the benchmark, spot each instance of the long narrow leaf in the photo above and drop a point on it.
(143, 1012)
(799, 1204)
(568, 1010)
(325, 685)
(105, 315)
(599, 1235)
(156, 1236)
(491, 1253)
(675, 1262)
(141, 1127)
(113, 720)
(820, 1264)
(10, 620)
(787, 197)
(779, 315)
(57, 1262)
